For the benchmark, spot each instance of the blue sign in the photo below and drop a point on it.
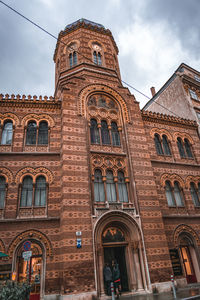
(78, 243)
(27, 245)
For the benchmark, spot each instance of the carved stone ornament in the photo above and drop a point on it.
(189, 179)
(172, 178)
(182, 228)
(38, 118)
(9, 116)
(183, 136)
(160, 132)
(7, 174)
(34, 173)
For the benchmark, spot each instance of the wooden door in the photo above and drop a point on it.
(189, 269)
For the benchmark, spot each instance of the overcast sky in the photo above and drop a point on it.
(153, 36)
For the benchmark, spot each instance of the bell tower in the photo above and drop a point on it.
(85, 46)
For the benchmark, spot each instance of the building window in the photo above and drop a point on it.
(105, 136)
(173, 195)
(40, 191)
(2, 191)
(31, 133)
(110, 187)
(162, 145)
(94, 132)
(43, 133)
(195, 194)
(115, 134)
(193, 94)
(97, 58)
(122, 189)
(7, 133)
(184, 148)
(73, 59)
(27, 192)
(99, 193)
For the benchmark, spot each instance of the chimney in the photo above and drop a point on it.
(153, 91)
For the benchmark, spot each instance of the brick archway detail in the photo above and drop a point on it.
(172, 178)
(195, 179)
(182, 228)
(7, 174)
(160, 132)
(2, 246)
(34, 173)
(31, 235)
(183, 136)
(38, 118)
(105, 89)
(11, 117)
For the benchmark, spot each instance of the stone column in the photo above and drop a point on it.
(100, 262)
(137, 265)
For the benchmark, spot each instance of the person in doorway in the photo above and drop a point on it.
(116, 278)
(107, 273)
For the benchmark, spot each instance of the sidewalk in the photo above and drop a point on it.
(187, 293)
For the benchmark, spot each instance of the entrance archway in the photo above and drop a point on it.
(189, 258)
(31, 270)
(117, 237)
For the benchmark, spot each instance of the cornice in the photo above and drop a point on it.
(167, 119)
(29, 101)
(42, 219)
(181, 216)
(189, 80)
(175, 163)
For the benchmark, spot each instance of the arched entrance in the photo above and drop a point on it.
(190, 260)
(117, 237)
(32, 269)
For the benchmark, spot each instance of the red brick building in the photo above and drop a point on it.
(88, 178)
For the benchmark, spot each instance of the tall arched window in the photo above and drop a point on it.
(99, 193)
(40, 191)
(110, 187)
(2, 191)
(188, 148)
(158, 145)
(105, 133)
(165, 144)
(31, 133)
(95, 57)
(169, 193)
(7, 133)
(194, 194)
(180, 147)
(115, 134)
(94, 132)
(122, 189)
(177, 194)
(27, 192)
(99, 59)
(43, 133)
(74, 58)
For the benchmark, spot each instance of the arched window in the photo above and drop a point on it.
(99, 193)
(169, 193)
(165, 144)
(105, 133)
(158, 145)
(40, 191)
(95, 57)
(7, 133)
(43, 133)
(2, 191)
(110, 187)
(180, 147)
(74, 58)
(27, 192)
(99, 59)
(115, 134)
(188, 148)
(70, 60)
(194, 194)
(31, 133)
(122, 189)
(177, 194)
(94, 132)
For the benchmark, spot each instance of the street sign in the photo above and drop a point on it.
(26, 255)
(27, 245)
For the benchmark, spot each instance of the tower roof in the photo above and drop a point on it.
(90, 25)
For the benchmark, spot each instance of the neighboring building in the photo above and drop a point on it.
(87, 178)
(180, 95)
